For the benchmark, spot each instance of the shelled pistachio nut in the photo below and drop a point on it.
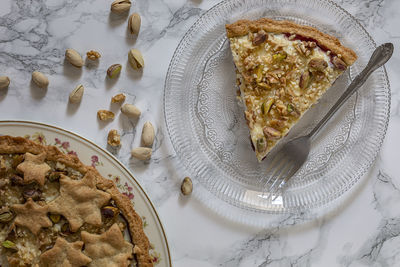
(148, 134)
(114, 70)
(131, 111)
(73, 57)
(40, 79)
(9, 245)
(65, 229)
(120, 6)
(76, 95)
(135, 59)
(55, 218)
(142, 153)
(4, 82)
(6, 216)
(134, 23)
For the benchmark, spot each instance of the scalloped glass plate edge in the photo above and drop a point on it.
(376, 145)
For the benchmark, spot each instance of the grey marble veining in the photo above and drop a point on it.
(365, 231)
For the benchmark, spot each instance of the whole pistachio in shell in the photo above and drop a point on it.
(187, 186)
(73, 57)
(134, 23)
(148, 134)
(131, 111)
(135, 59)
(114, 70)
(120, 6)
(76, 95)
(40, 79)
(4, 82)
(142, 153)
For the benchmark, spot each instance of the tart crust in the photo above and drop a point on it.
(243, 27)
(14, 145)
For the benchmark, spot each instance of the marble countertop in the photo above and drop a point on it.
(34, 36)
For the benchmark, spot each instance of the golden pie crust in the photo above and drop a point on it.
(243, 27)
(19, 145)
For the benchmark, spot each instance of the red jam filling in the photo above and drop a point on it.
(308, 39)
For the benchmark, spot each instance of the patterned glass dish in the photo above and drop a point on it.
(207, 126)
(109, 167)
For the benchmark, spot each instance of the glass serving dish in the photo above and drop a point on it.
(207, 126)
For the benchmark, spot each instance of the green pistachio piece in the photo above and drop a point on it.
(292, 110)
(55, 218)
(65, 230)
(9, 245)
(279, 56)
(6, 216)
(290, 107)
(266, 106)
(261, 144)
(259, 71)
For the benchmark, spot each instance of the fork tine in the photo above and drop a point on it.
(276, 160)
(282, 178)
(272, 166)
(287, 176)
(275, 176)
(278, 187)
(276, 169)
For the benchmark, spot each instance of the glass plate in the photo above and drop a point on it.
(207, 126)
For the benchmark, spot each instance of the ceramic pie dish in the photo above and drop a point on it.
(65, 212)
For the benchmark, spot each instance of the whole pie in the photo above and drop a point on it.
(55, 211)
(282, 70)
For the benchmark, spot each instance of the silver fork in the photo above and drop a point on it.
(292, 155)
